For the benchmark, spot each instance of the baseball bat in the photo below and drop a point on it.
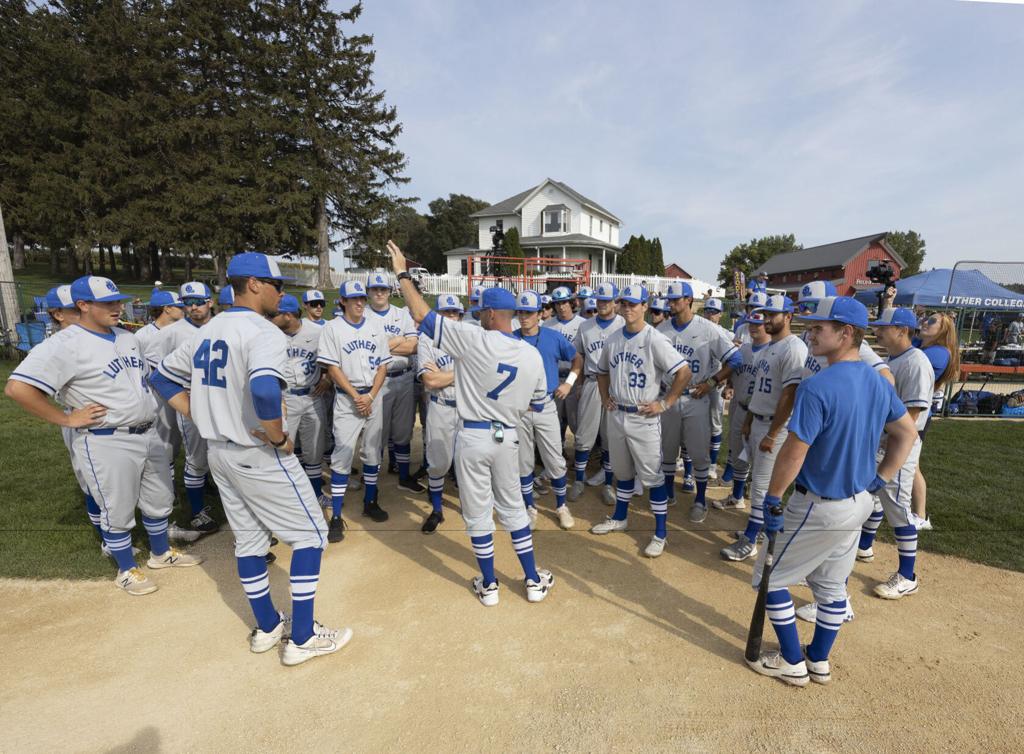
(753, 650)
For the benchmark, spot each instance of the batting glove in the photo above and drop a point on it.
(772, 514)
(876, 484)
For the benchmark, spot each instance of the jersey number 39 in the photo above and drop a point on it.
(210, 359)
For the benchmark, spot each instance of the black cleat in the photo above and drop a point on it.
(336, 530)
(273, 541)
(420, 473)
(374, 511)
(410, 485)
(204, 522)
(392, 468)
(270, 558)
(430, 525)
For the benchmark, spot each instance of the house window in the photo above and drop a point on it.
(600, 226)
(464, 266)
(591, 232)
(556, 220)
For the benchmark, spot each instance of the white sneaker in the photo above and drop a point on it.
(741, 549)
(536, 591)
(178, 534)
(655, 547)
(896, 587)
(597, 479)
(541, 486)
(809, 612)
(531, 511)
(821, 671)
(106, 550)
(134, 582)
(324, 641)
(576, 490)
(565, 519)
(729, 503)
(866, 556)
(608, 526)
(923, 524)
(488, 595)
(325, 501)
(698, 513)
(264, 641)
(355, 483)
(713, 473)
(608, 495)
(173, 558)
(774, 665)
(689, 484)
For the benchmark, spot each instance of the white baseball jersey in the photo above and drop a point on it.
(701, 342)
(636, 363)
(743, 378)
(590, 340)
(216, 365)
(815, 364)
(427, 352)
(568, 328)
(497, 376)
(358, 349)
(742, 335)
(78, 367)
(301, 369)
(915, 381)
(396, 322)
(170, 338)
(777, 366)
(147, 336)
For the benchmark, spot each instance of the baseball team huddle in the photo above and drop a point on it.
(260, 396)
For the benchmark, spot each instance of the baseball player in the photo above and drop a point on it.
(541, 427)
(547, 307)
(97, 370)
(591, 416)
(314, 302)
(355, 353)
(166, 308)
(712, 312)
(474, 306)
(777, 373)
(915, 383)
(305, 385)
(659, 311)
(235, 367)
(225, 298)
(582, 294)
(497, 377)
(829, 453)
(196, 298)
(754, 301)
(398, 406)
(568, 324)
(703, 345)
(634, 361)
(589, 308)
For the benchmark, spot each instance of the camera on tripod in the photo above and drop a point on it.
(882, 272)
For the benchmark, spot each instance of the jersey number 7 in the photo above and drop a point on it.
(512, 372)
(210, 359)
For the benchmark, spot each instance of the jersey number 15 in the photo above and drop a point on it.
(210, 359)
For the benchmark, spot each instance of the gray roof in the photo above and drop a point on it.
(463, 250)
(508, 206)
(837, 254)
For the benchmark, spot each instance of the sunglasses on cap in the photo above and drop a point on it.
(807, 307)
(278, 284)
(190, 301)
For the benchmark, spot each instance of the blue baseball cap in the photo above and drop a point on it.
(844, 309)
(659, 305)
(164, 298)
(93, 288)
(714, 305)
(226, 297)
(561, 293)
(352, 289)
(60, 298)
(898, 317)
(253, 264)
(678, 290)
(195, 289)
(634, 294)
(449, 303)
(817, 289)
(528, 301)
(545, 299)
(606, 292)
(584, 292)
(590, 304)
(497, 298)
(758, 298)
(377, 280)
(288, 304)
(476, 293)
(753, 318)
(310, 296)
(777, 304)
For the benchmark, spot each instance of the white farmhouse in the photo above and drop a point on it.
(553, 221)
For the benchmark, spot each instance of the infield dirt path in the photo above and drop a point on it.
(626, 654)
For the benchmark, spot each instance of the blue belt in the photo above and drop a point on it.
(483, 425)
(627, 409)
(300, 390)
(400, 372)
(360, 390)
(141, 429)
(442, 401)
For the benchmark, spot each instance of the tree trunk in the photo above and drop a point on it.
(103, 261)
(166, 271)
(220, 265)
(18, 261)
(54, 262)
(188, 266)
(154, 261)
(144, 258)
(70, 259)
(323, 246)
(113, 262)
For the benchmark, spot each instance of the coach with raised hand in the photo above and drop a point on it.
(838, 417)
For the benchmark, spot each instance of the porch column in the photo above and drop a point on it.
(603, 270)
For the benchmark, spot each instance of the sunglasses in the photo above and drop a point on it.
(195, 301)
(932, 321)
(319, 304)
(278, 284)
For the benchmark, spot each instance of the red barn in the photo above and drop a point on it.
(675, 271)
(844, 263)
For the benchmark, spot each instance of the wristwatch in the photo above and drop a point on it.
(404, 276)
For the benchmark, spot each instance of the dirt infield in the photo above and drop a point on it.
(626, 654)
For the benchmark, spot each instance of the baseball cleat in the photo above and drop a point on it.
(924, 524)
(774, 665)
(336, 529)
(431, 522)
(820, 671)
(713, 473)
(177, 534)
(264, 641)
(393, 467)
(655, 547)
(411, 485)
(729, 503)
(865, 556)
(741, 549)
(374, 511)
(541, 486)
(204, 523)
(689, 484)
(536, 591)
(809, 612)
(608, 526)
(670, 500)
(134, 582)
(270, 558)
(106, 550)
(324, 641)
(597, 479)
(488, 595)
(325, 501)
(698, 512)
(896, 587)
(565, 519)
(608, 495)
(420, 473)
(355, 483)
(173, 558)
(531, 511)
(576, 491)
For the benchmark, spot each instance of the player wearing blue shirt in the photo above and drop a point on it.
(838, 416)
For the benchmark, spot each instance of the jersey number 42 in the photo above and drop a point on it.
(210, 359)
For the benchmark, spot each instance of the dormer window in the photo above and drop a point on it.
(556, 219)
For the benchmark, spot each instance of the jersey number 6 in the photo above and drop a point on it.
(511, 371)
(210, 359)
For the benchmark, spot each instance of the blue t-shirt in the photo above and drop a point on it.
(938, 356)
(757, 286)
(841, 412)
(554, 347)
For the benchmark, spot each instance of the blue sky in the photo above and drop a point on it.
(710, 123)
